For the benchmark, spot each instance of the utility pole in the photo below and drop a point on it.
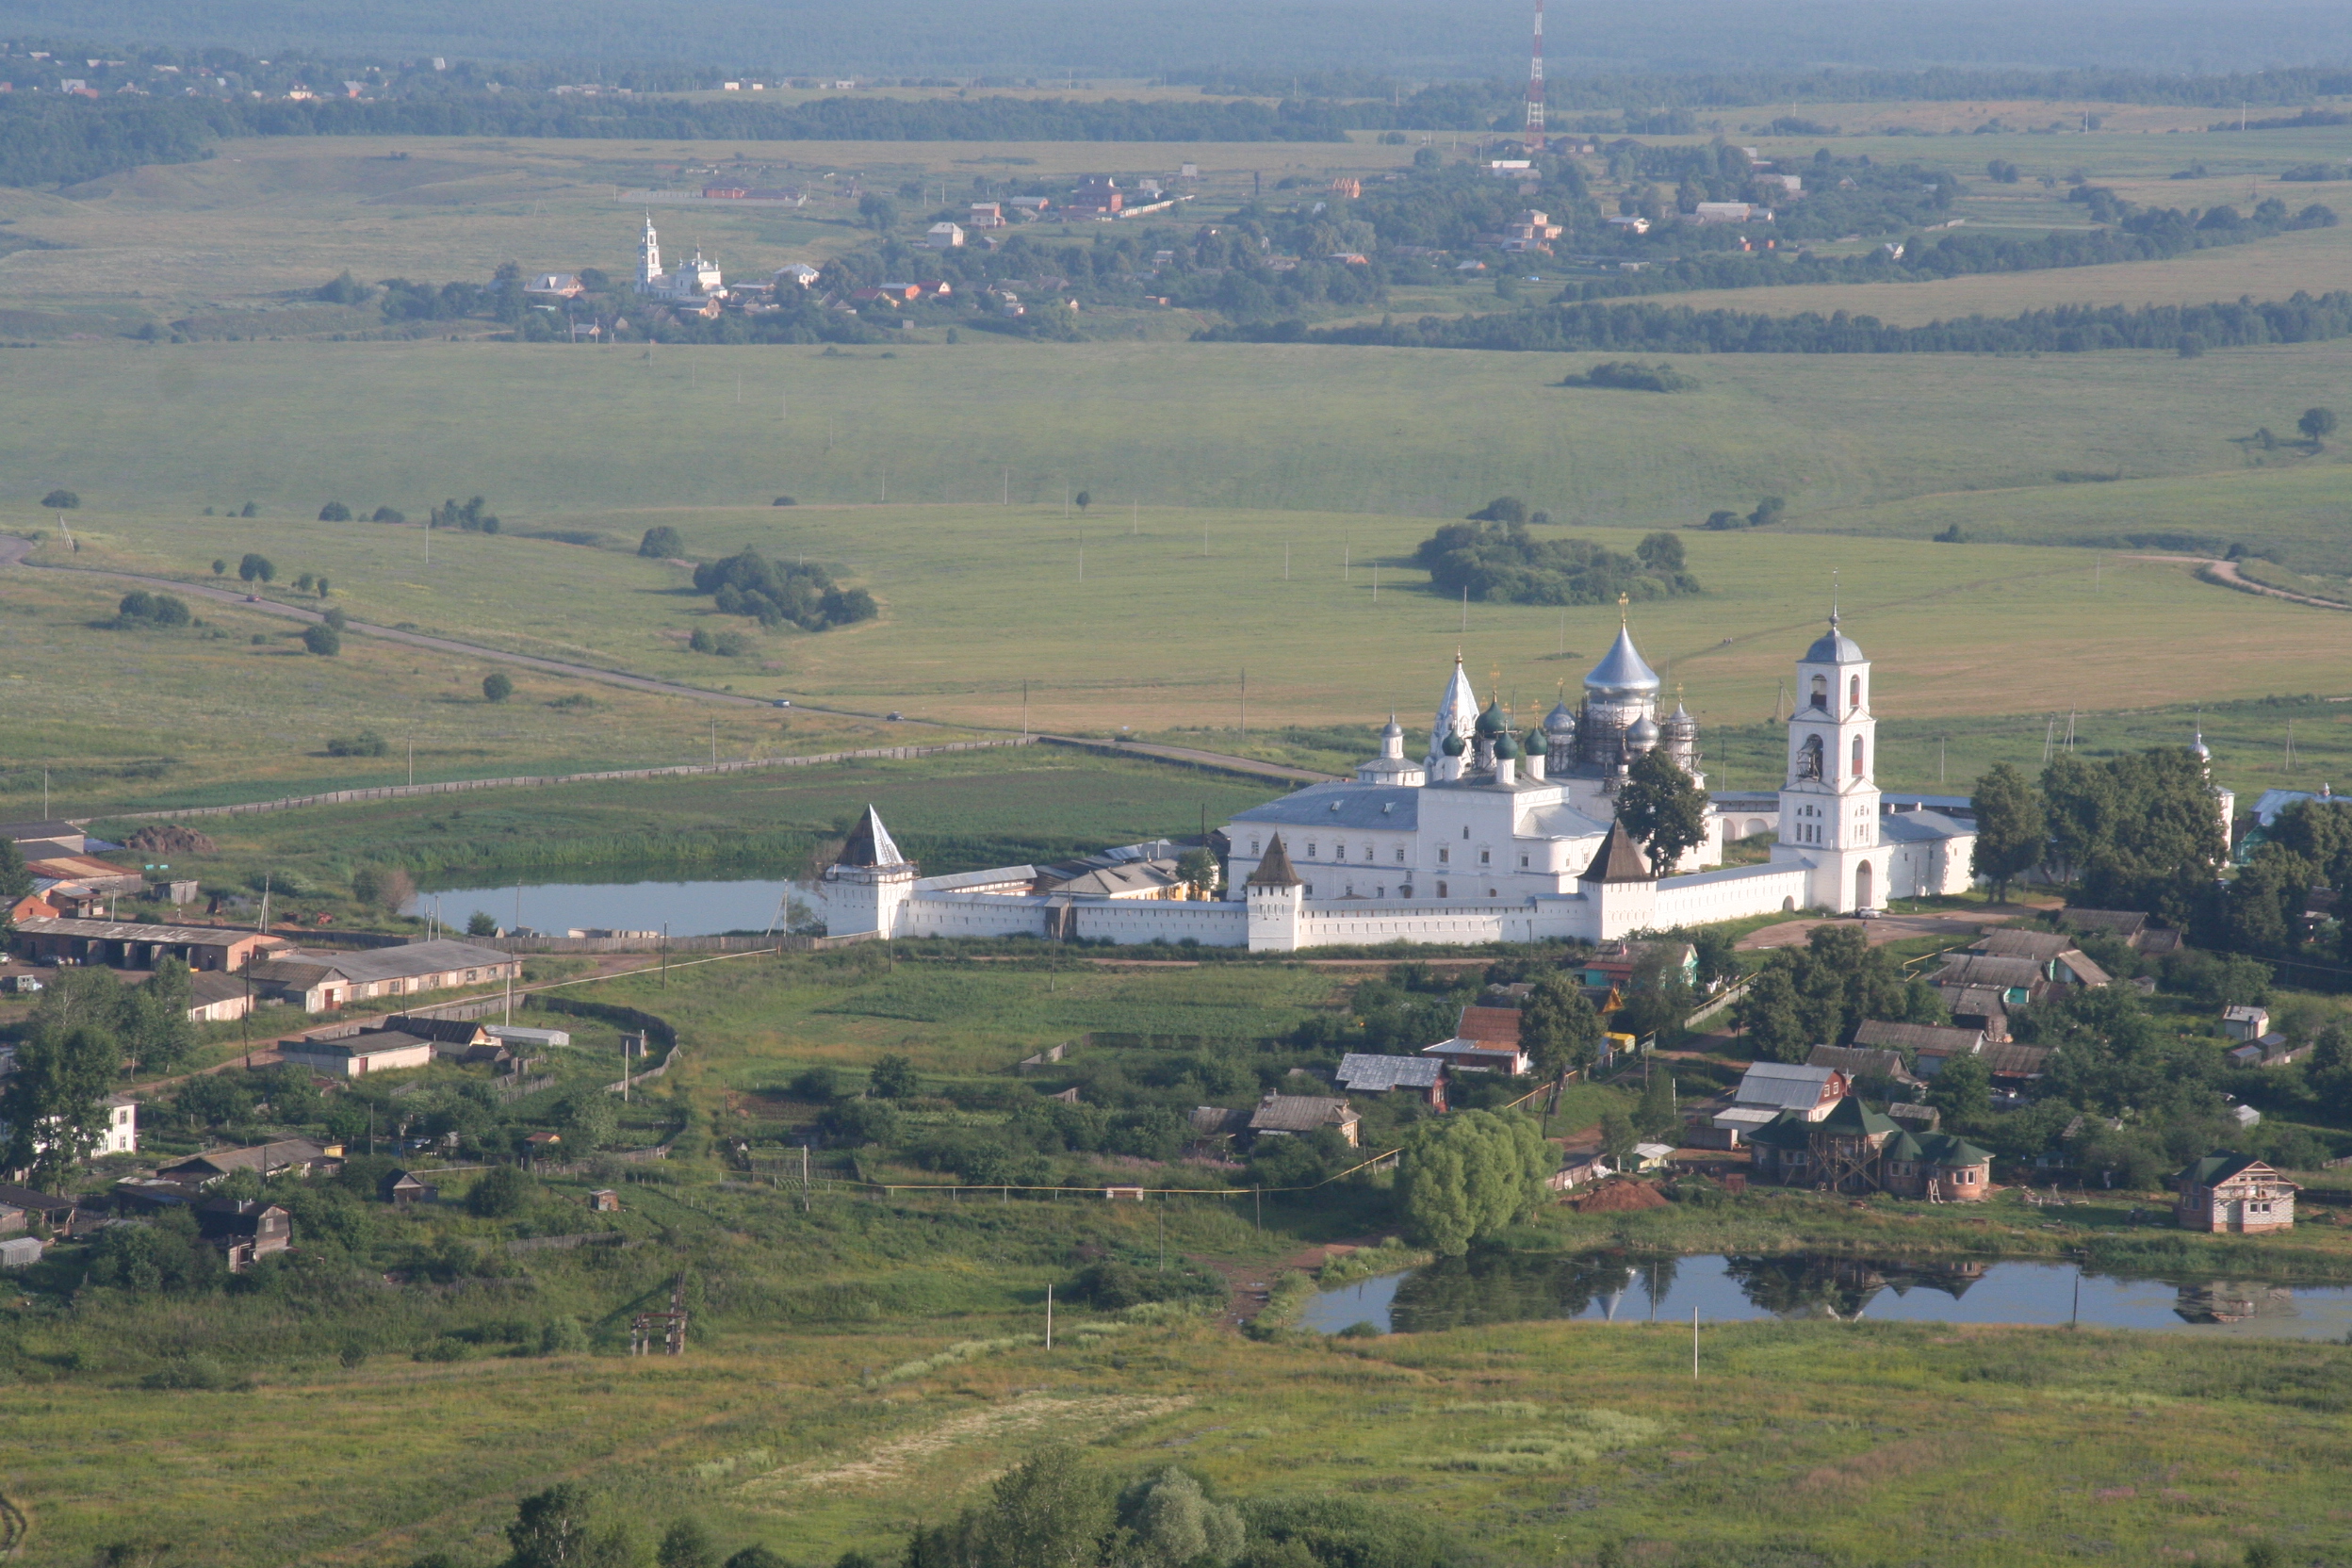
(1024, 709)
(665, 955)
(412, 763)
(1465, 611)
(1049, 1316)
(715, 742)
(1245, 706)
(1694, 1345)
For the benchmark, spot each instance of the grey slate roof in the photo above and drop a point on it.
(2040, 946)
(1934, 1038)
(1860, 1062)
(1300, 1113)
(1791, 1088)
(1359, 806)
(1921, 826)
(1378, 1074)
(388, 963)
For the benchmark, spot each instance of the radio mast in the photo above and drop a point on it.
(1535, 86)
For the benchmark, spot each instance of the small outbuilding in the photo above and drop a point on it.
(605, 1200)
(404, 1188)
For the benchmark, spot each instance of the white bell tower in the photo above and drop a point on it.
(650, 277)
(1829, 802)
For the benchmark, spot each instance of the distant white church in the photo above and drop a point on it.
(694, 279)
(1491, 835)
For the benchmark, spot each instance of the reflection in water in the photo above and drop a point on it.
(2233, 1301)
(1502, 1287)
(1506, 1288)
(1840, 1287)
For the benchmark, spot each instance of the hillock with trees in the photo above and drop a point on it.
(776, 591)
(1503, 562)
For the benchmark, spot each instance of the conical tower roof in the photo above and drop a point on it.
(1457, 711)
(1622, 669)
(1274, 871)
(869, 843)
(1620, 859)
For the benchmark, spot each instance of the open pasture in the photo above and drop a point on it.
(1825, 1441)
(982, 603)
(547, 433)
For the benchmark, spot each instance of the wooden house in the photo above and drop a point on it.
(1485, 1040)
(403, 1190)
(246, 1230)
(1283, 1115)
(1422, 1077)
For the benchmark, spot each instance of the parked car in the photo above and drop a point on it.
(783, 702)
(894, 716)
(23, 985)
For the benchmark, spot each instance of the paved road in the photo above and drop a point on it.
(14, 551)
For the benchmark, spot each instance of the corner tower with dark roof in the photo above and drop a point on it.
(868, 885)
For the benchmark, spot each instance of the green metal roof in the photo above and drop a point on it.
(2215, 1169)
(1786, 1131)
(1851, 1117)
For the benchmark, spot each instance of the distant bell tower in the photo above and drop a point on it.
(1829, 802)
(648, 259)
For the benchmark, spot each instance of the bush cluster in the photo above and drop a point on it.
(772, 591)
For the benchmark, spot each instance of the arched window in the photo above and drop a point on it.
(1857, 757)
(1821, 691)
(1853, 691)
(1809, 758)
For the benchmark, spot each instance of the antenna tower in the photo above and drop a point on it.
(1535, 86)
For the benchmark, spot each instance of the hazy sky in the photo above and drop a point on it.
(1133, 38)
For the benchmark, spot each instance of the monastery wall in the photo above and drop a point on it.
(972, 915)
(1731, 894)
(1129, 921)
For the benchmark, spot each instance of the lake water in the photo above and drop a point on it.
(1512, 1287)
(697, 908)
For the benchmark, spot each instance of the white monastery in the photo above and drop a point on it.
(1491, 835)
(696, 279)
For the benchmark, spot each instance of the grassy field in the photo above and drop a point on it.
(1945, 623)
(1359, 430)
(944, 810)
(1825, 1441)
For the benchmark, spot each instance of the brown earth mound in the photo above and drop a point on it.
(1620, 1198)
(170, 839)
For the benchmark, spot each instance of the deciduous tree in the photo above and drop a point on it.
(1470, 1175)
(2011, 833)
(1559, 1029)
(1663, 809)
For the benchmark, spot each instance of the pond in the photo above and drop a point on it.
(1512, 1287)
(703, 907)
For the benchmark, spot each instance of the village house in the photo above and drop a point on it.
(2235, 1193)
(2062, 963)
(1858, 1062)
(37, 840)
(1283, 1115)
(555, 286)
(245, 1230)
(1856, 1150)
(299, 1156)
(2246, 1023)
(1423, 1078)
(985, 215)
(1485, 1040)
(405, 1188)
(1768, 1091)
(944, 236)
(1928, 1045)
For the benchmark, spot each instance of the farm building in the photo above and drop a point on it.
(128, 944)
(324, 982)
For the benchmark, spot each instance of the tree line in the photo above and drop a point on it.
(1678, 329)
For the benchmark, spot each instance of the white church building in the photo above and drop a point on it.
(693, 279)
(1491, 836)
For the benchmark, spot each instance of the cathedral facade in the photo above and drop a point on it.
(1498, 835)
